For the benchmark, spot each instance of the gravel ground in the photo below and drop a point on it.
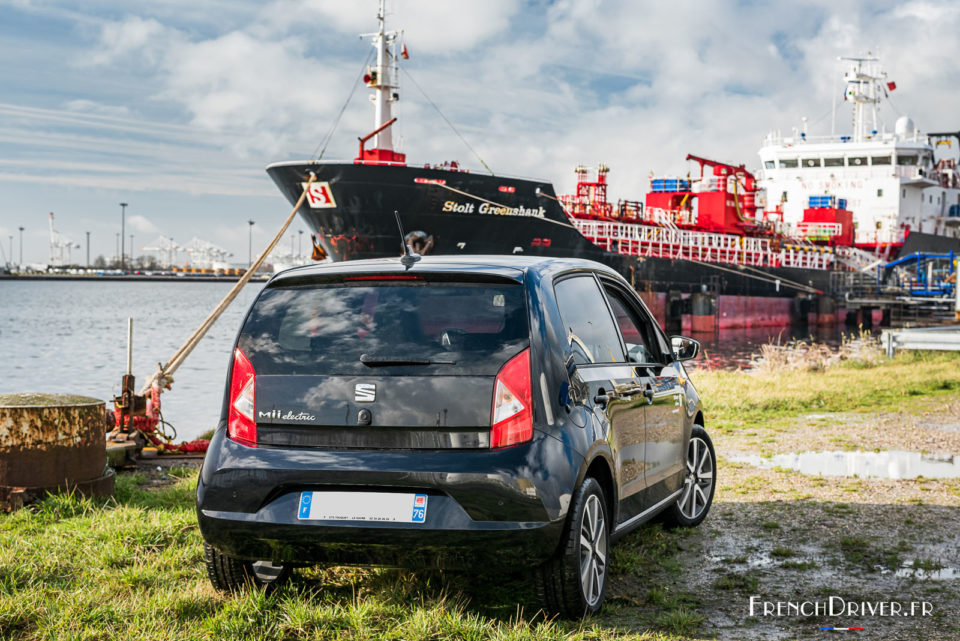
(782, 536)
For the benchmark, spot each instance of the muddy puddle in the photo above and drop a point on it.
(908, 571)
(891, 464)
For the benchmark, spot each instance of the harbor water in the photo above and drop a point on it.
(70, 337)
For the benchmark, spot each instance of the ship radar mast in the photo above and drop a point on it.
(382, 79)
(864, 78)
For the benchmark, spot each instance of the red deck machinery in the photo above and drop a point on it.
(726, 200)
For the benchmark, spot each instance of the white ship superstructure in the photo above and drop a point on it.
(891, 181)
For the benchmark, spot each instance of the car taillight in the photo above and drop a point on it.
(241, 422)
(511, 419)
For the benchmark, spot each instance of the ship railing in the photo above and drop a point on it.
(660, 216)
(858, 259)
(681, 244)
(798, 139)
(804, 257)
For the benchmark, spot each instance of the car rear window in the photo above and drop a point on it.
(469, 328)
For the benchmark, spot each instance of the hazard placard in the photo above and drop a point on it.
(320, 196)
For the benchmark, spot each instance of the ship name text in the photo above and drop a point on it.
(452, 206)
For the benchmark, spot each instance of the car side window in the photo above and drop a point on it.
(638, 334)
(586, 320)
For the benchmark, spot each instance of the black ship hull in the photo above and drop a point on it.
(469, 213)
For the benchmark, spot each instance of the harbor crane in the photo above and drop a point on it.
(60, 247)
(167, 250)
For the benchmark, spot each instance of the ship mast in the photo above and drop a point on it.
(382, 87)
(381, 78)
(863, 90)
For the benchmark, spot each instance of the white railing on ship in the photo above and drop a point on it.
(664, 242)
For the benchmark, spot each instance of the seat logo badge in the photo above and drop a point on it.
(365, 393)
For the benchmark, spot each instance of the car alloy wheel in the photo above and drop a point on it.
(593, 550)
(698, 483)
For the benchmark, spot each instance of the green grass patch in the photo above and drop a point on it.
(130, 567)
(744, 399)
(868, 555)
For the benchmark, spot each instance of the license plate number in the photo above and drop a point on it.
(377, 507)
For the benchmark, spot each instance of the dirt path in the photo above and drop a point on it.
(781, 536)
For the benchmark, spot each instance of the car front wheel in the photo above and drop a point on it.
(574, 583)
(699, 482)
(228, 574)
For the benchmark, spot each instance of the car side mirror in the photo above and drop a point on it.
(684, 349)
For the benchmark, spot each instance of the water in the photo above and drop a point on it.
(910, 572)
(893, 464)
(735, 348)
(70, 337)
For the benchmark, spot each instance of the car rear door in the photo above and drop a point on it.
(665, 436)
(612, 390)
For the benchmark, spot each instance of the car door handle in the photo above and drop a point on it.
(648, 392)
(602, 400)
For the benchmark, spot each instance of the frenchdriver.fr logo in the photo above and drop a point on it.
(836, 606)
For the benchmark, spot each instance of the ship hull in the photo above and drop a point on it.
(468, 213)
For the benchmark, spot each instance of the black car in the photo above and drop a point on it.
(483, 413)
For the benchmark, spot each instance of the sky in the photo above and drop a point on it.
(177, 106)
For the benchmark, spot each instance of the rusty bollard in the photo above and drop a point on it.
(51, 443)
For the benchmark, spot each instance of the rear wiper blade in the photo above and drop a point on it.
(377, 361)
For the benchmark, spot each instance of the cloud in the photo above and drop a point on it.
(133, 40)
(195, 98)
(90, 106)
(142, 224)
(261, 88)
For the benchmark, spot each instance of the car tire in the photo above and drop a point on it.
(228, 574)
(584, 552)
(699, 482)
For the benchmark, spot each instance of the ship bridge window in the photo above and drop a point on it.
(881, 160)
(907, 160)
(788, 163)
(859, 161)
(811, 162)
(833, 162)
(769, 164)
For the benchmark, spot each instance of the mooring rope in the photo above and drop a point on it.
(165, 372)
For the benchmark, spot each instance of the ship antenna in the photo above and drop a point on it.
(408, 257)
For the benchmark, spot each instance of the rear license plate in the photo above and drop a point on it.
(380, 507)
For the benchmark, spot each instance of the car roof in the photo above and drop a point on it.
(509, 267)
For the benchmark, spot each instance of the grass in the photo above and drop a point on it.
(867, 555)
(130, 567)
(738, 399)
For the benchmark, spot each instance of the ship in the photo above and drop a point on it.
(705, 252)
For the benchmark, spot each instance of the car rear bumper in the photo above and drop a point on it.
(485, 510)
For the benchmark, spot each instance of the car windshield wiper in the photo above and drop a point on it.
(379, 361)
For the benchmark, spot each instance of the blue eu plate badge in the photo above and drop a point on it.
(419, 508)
